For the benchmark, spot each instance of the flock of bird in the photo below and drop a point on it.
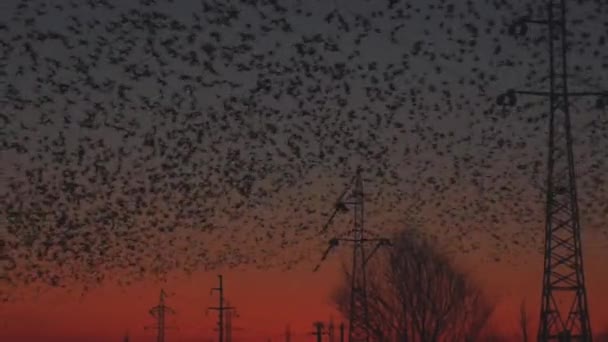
(142, 137)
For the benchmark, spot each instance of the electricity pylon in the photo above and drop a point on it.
(358, 328)
(228, 327)
(159, 312)
(221, 309)
(564, 314)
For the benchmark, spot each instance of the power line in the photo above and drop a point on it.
(564, 314)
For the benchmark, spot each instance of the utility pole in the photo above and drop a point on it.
(319, 332)
(228, 327)
(159, 312)
(358, 316)
(288, 333)
(564, 313)
(228, 324)
(330, 330)
(221, 309)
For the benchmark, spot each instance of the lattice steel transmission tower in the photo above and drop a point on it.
(159, 312)
(564, 314)
(358, 329)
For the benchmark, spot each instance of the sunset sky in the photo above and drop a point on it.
(190, 139)
(266, 301)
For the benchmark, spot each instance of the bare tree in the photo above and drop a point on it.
(415, 293)
(524, 321)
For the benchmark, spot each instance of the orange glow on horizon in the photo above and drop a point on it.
(266, 302)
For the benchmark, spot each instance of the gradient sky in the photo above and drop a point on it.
(452, 162)
(267, 301)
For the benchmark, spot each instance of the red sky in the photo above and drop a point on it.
(266, 301)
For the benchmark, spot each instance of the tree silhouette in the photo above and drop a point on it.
(415, 293)
(602, 336)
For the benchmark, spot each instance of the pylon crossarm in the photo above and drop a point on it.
(509, 98)
(353, 231)
(598, 94)
(364, 240)
(332, 244)
(352, 202)
(220, 308)
(341, 237)
(330, 220)
(338, 207)
(547, 94)
(381, 242)
(376, 236)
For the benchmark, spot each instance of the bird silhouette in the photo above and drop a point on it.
(146, 136)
